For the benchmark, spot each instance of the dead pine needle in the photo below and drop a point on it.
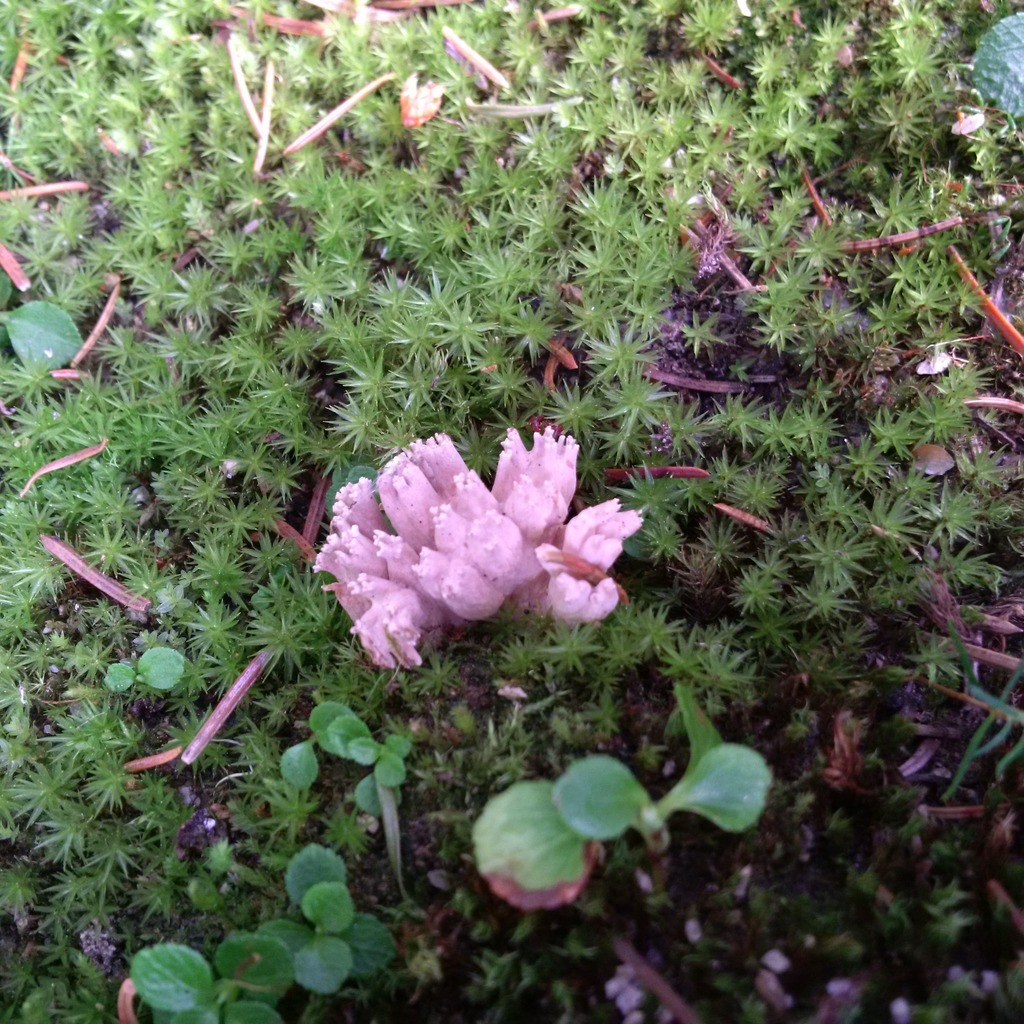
(101, 324)
(1005, 404)
(141, 764)
(20, 66)
(819, 206)
(12, 268)
(80, 567)
(743, 517)
(226, 706)
(621, 475)
(7, 165)
(51, 189)
(268, 100)
(125, 1003)
(294, 26)
(478, 61)
(545, 18)
(315, 513)
(888, 241)
(651, 980)
(288, 532)
(720, 73)
(62, 463)
(243, 90)
(314, 133)
(1009, 333)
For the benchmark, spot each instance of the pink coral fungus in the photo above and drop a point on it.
(451, 551)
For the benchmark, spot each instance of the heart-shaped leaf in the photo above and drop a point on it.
(599, 797)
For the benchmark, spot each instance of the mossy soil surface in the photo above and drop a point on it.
(383, 283)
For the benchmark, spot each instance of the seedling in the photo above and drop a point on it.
(160, 668)
(255, 969)
(340, 731)
(536, 843)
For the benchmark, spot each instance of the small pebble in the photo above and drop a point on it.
(693, 930)
(899, 1011)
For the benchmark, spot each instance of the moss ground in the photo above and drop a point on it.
(385, 283)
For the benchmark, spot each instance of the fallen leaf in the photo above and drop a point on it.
(932, 459)
(419, 103)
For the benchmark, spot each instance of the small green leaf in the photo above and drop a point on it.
(599, 797)
(6, 288)
(699, 730)
(323, 965)
(398, 745)
(999, 65)
(340, 733)
(42, 334)
(262, 963)
(528, 854)
(366, 796)
(389, 770)
(728, 786)
(120, 677)
(290, 933)
(364, 750)
(371, 944)
(324, 714)
(299, 766)
(197, 1015)
(172, 977)
(247, 1012)
(161, 668)
(328, 905)
(310, 865)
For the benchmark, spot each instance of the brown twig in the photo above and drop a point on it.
(243, 90)
(315, 512)
(66, 374)
(108, 143)
(289, 532)
(655, 983)
(311, 134)
(20, 66)
(78, 565)
(562, 354)
(62, 463)
(545, 18)
(227, 704)
(696, 235)
(888, 241)
(1006, 404)
(1010, 333)
(716, 387)
(657, 472)
(294, 26)
(720, 73)
(963, 813)
(264, 133)
(481, 63)
(357, 12)
(7, 165)
(549, 372)
(51, 189)
(1000, 895)
(141, 764)
(743, 517)
(12, 268)
(101, 324)
(819, 206)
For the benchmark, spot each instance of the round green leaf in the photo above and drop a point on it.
(324, 714)
(526, 851)
(172, 977)
(197, 1015)
(364, 750)
(298, 765)
(6, 288)
(398, 745)
(292, 935)
(161, 668)
(261, 962)
(367, 799)
(371, 944)
(389, 770)
(247, 1012)
(323, 965)
(120, 677)
(329, 906)
(42, 334)
(728, 786)
(999, 65)
(340, 732)
(310, 865)
(599, 798)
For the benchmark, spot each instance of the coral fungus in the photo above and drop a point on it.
(451, 551)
